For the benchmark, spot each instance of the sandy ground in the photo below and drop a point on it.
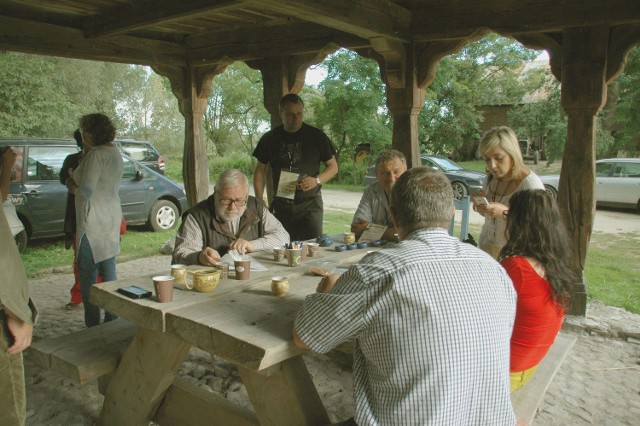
(598, 384)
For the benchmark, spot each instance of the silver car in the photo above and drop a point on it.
(617, 182)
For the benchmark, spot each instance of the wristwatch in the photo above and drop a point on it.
(318, 181)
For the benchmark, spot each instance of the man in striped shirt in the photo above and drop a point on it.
(431, 318)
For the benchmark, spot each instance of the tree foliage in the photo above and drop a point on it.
(485, 72)
(235, 116)
(625, 123)
(352, 110)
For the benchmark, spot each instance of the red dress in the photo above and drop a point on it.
(538, 317)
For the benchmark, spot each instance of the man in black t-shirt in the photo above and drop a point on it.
(295, 150)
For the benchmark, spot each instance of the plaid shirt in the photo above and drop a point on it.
(432, 319)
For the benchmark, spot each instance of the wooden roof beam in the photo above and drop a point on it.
(444, 19)
(363, 18)
(300, 38)
(48, 39)
(142, 14)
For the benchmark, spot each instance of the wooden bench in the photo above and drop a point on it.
(527, 399)
(87, 354)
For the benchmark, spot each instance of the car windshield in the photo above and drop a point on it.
(445, 164)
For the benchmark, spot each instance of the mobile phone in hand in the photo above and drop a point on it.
(480, 201)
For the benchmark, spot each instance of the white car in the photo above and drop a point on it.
(617, 182)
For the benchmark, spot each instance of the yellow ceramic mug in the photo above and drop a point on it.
(203, 280)
(179, 271)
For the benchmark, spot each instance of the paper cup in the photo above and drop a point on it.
(294, 257)
(163, 286)
(243, 268)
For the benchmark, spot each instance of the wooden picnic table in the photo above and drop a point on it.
(241, 321)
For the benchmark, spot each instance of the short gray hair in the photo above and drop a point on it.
(231, 178)
(422, 198)
(390, 155)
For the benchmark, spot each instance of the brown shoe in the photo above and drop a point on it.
(73, 306)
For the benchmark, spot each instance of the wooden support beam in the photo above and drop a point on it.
(364, 18)
(551, 42)
(186, 404)
(583, 94)
(135, 393)
(192, 86)
(286, 397)
(444, 19)
(428, 56)
(48, 39)
(143, 14)
(274, 41)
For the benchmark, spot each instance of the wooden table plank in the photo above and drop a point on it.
(251, 327)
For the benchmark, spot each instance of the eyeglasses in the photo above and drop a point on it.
(228, 202)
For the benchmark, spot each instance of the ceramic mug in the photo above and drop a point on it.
(312, 249)
(349, 237)
(279, 285)
(278, 254)
(203, 280)
(179, 272)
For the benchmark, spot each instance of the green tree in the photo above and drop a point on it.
(235, 116)
(626, 111)
(542, 121)
(485, 72)
(31, 100)
(352, 110)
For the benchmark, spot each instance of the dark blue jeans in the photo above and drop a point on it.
(88, 275)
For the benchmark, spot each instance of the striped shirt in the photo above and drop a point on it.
(432, 320)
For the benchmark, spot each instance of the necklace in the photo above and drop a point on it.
(494, 194)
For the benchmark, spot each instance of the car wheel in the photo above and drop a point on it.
(163, 216)
(551, 191)
(459, 190)
(21, 240)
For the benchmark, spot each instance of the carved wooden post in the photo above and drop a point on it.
(192, 87)
(404, 98)
(584, 64)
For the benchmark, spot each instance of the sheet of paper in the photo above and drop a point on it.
(255, 265)
(287, 185)
(372, 232)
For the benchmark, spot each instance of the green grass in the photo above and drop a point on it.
(43, 256)
(612, 272)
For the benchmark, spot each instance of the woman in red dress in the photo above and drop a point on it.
(537, 257)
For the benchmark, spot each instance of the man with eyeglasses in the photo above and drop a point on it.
(229, 219)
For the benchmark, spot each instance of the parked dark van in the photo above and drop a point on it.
(146, 196)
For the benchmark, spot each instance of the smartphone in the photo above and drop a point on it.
(480, 201)
(134, 292)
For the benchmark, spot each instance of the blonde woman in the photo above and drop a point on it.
(506, 174)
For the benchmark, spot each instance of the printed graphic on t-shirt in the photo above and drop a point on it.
(289, 155)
